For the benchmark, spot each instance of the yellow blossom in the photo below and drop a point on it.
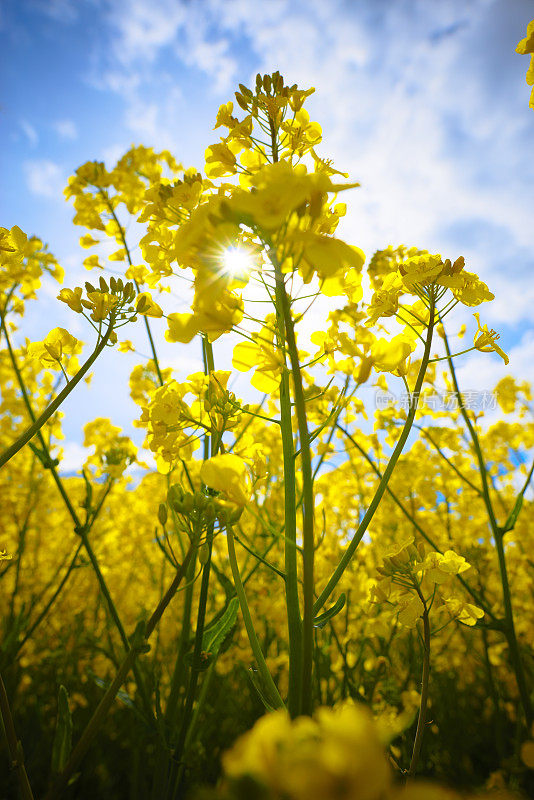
(146, 306)
(227, 473)
(72, 297)
(56, 344)
(486, 340)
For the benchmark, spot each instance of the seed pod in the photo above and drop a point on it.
(241, 101)
(203, 554)
(162, 513)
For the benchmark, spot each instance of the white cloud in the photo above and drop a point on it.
(111, 154)
(73, 458)
(66, 129)
(142, 28)
(29, 132)
(420, 102)
(59, 10)
(392, 92)
(44, 178)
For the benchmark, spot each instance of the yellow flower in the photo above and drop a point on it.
(100, 304)
(91, 262)
(324, 255)
(298, 96)
(220, 159)
(182, 328)
(466, 287)
(280, 189)
(525, 46)
(212, 318)
(527, 750)
(385, 301)
(228, 474)
(486, 341)
(146, 306)
(507, 391)
(336, 754)
(389, 355)
(411, 609)
(88, 241)
(224, 116)
(50, 351)
(462, 611)
(439, 567)
(421, 269)
(263, 355)
(72, 297)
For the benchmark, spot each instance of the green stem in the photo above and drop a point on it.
(308, 537)
(36, 426)
(130, 262)
(273, 696)
(290, 513)
(421, 721)
(511, 635)
(51, 601)
(177, 682)
(176, 773)
(211, 446)
(106, 702)
(294, 622)
(474, 594)
(356, 539)
(81, 529)
(498, 536)
(180, 664)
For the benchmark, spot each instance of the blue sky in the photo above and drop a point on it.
(425, 103)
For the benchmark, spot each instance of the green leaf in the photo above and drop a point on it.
(321, 620)
(215, 634)
(63, 738)
(255, 680)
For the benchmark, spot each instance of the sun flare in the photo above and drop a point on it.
(237, 261)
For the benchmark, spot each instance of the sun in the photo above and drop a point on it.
(237, 261)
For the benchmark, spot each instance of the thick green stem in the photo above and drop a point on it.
(290, 513)
(294, 622)
(399, 447)
(308, 507)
